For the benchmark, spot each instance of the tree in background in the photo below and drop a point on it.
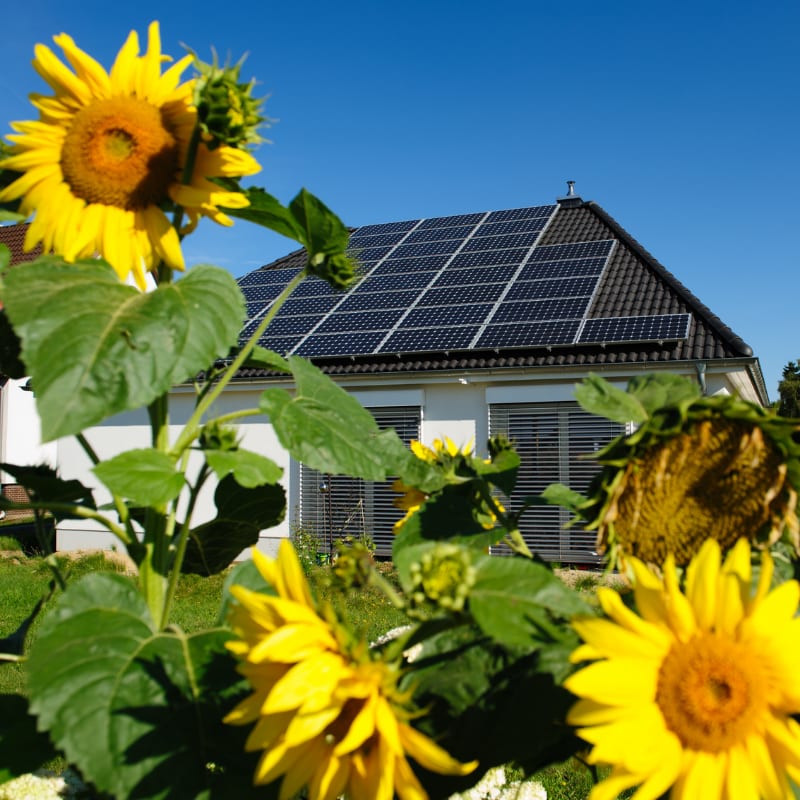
(789, 390)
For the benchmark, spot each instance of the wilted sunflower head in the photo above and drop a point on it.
(696, 468)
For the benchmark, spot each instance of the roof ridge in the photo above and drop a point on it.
(727, 333)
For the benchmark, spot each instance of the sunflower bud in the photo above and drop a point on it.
(218, 437)
(353, 565)
(443, 576)
(338, 269)
(227, 113)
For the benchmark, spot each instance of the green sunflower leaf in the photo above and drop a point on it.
(248, 469)
(145, 476)
(517, 601)
(137, 710)
(327, 429)
(323, 231)
(10, 361)
(241, 514)
(597, 396)
(269, 212)
(103, 347)
(660, 390)
(266, 359)
(100, 348)
(214, 308)
(5, 256)
(23, 749)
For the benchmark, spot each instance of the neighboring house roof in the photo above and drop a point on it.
(13, 236)
(628, 310)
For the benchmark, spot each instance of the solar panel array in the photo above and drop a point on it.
(473, 281)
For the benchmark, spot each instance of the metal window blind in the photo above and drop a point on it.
(335, 506)
(551, 440)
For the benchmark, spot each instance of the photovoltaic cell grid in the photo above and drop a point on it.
(448, 283)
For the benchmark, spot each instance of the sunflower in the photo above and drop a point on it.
(697, 693)
(327, 714)
(695, 468)
(107, 155)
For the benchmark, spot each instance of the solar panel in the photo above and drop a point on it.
(659, 327)
(450, 283)
(526, 334)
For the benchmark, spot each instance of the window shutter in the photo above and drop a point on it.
(552, 440)
(335, 506)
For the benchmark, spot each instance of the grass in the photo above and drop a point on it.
(23, 579)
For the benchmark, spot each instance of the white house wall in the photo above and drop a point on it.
(452, 405)
(22, 439)
(131, 430)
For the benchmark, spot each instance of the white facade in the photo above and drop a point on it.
(453, 404)
(21, 440)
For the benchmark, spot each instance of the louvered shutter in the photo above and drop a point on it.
(335, 506)
(551, 440)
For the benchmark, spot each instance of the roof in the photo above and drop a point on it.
(13, 236)
(631, 309)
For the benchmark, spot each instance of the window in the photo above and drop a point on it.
(552, 440)
(335, 506)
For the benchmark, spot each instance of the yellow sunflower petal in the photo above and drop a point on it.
(741, 783)
(429, 755)
(329, 778)
(124, 69)
(612, 786)
(86, 68)
(702, 577)
(301, 772)
(612, 640)
(407, 784)
(60, 78)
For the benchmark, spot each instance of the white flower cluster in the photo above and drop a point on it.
(42, 785)
(493, 786)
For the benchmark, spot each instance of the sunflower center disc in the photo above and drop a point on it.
(118, 152)
(711, 691)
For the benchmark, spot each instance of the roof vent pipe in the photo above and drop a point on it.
(570, 198)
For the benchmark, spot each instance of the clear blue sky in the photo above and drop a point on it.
(682, 120)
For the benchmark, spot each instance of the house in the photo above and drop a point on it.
(467, 326)
(20, 439)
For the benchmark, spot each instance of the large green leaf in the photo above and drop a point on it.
(657, 390)
(323, 231)
(103, 347)
(266, 210)
(214, 308)
(489, 703)
(99, 347)
(248, 469)
(516, 600)
(597, 396)
(22, 748)
(325, 428)
(241, 515)
(147, 477)
(10, 346)
(139, 711)
(44, 485)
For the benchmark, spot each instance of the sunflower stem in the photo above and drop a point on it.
(190, 430)
(183, 539)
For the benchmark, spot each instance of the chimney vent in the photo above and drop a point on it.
(570, 198)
